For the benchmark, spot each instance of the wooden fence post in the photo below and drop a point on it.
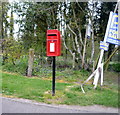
(30, 62)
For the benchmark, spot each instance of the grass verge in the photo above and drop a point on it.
(35, 88)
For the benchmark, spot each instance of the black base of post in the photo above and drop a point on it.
(53, 77)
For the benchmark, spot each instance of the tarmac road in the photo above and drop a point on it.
(11, 105)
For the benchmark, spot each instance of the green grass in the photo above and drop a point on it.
(72, 75)
(40, 90)
(101, 96)
(30, 88)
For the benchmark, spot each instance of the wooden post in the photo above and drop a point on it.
(99, 71)
(30, 62)
(101, 74)
(97, 75)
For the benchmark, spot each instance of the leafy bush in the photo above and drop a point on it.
(114, 67)
(43, 69)
(19, 67)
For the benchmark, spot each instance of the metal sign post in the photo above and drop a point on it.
(53, 76)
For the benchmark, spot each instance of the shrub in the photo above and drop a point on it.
(19, 67)
(114, 67)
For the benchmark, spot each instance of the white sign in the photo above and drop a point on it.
(104, 45)
(113, 31)
(52, 47)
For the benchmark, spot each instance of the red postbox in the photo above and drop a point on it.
(53, 43)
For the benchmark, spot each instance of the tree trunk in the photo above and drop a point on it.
(2, 33)
(11, 23)
(30, 62)
(73, 61)
(84, 50)
(108, 60)
(93, 49)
